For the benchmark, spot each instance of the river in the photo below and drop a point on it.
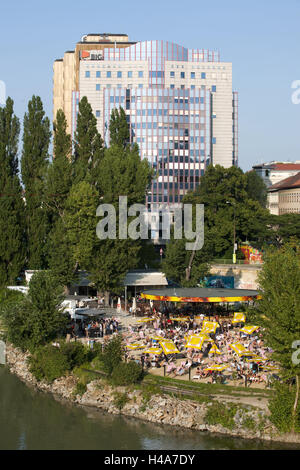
(32, 420)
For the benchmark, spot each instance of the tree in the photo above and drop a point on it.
(36, 319)
(256, 188)
(119, 128)
(88, 145)
(122, 173)
(12, 234)
(279, 312)
(59, 176)
(80, 224)
(34, 163)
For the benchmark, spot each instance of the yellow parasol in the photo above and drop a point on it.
(216, 368)
(214, 350)
(153, 351)
(134, 346)
(239, 317)
(145, 320)
(241, 350)
(209, 327)
(179, 318)
(195, 342)
(249, 329)
(169, 347)
(157, 338)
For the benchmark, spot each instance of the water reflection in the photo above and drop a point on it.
(35, 420)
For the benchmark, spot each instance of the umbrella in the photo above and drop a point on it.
(158, 338)
(145, 320)
(239, 317)
(249, 329)
(134, 346)
(241, 350)
(195, 342)
(179, 318)
(209, 327)
(169, 347)
(214, 350)
(215, 367)
(153, 351)
(119, 305)
(134, 304)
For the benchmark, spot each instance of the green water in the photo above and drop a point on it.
(35, 420)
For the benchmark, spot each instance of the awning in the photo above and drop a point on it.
(145, 278)
(199, 294)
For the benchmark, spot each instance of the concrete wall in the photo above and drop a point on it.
(245, 276)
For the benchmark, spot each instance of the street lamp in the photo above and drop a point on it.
(234, 234)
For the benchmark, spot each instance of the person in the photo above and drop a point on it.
(142, 361)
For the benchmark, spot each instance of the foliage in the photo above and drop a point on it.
(34, 163)
(256, 188)
(118, 128)
(51, 362)
(12, 222)
(127, 373)
(120, 400)
(113, 353)
(48, 362)
(220, 413)
(88, 146)
(281, 409)
(9, 297)
(36, 319)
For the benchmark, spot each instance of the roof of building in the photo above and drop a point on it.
(280, 166)
(145, 278)
(200, 294)
(287, 183)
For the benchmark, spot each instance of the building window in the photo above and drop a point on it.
(193, 74)
(108, 74)
(182, 74)
(172, 74)
(97, 113)
(192, 87)
(214, 140)
(172, 86)
(203, 75)
(140, 85)
(213, 88)
(97, 87)
(129, 74)
(119, 74)
(87, 74)
(98, 74)
(141, 74)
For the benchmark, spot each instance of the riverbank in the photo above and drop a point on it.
(239, 421)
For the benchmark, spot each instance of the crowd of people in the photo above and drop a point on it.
(227, 364)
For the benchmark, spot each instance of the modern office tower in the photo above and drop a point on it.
(179, 104)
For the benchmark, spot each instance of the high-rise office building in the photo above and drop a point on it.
(179, 104)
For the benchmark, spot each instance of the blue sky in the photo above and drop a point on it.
(260, 38)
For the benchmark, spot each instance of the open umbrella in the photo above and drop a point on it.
(134, 304)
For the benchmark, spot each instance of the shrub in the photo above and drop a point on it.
(127, 373)
(112, 354)
(281, 407)
(76, 353)
(49, 363)
(80, 389)
(120, 400)
(219, 413)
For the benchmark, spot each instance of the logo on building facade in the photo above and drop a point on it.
(92, 55)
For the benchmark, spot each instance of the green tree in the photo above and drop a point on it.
(113, 354)
(119, 128)
(279, 312)
(80, 224)
(88, 145)
(12, 229)
(256, 188)
(59, 176)
(38, 318)
(36, 139)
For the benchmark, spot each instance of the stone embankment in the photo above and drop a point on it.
(248, 422)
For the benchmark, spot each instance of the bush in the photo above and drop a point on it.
(113, 354)
(219, 413)
(281, 407)
(80, 389)
(127, 373)
(49, 363)
(120, 400)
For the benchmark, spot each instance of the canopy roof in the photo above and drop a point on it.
(145, 278)
(199, 294)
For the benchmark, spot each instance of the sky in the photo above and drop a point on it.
(260, 38)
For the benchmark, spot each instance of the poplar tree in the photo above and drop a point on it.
(12, 240)
(119, 128)
(36, 139)
(59, 176)
(88, 145)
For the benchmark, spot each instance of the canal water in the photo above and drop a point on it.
(34, 420)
